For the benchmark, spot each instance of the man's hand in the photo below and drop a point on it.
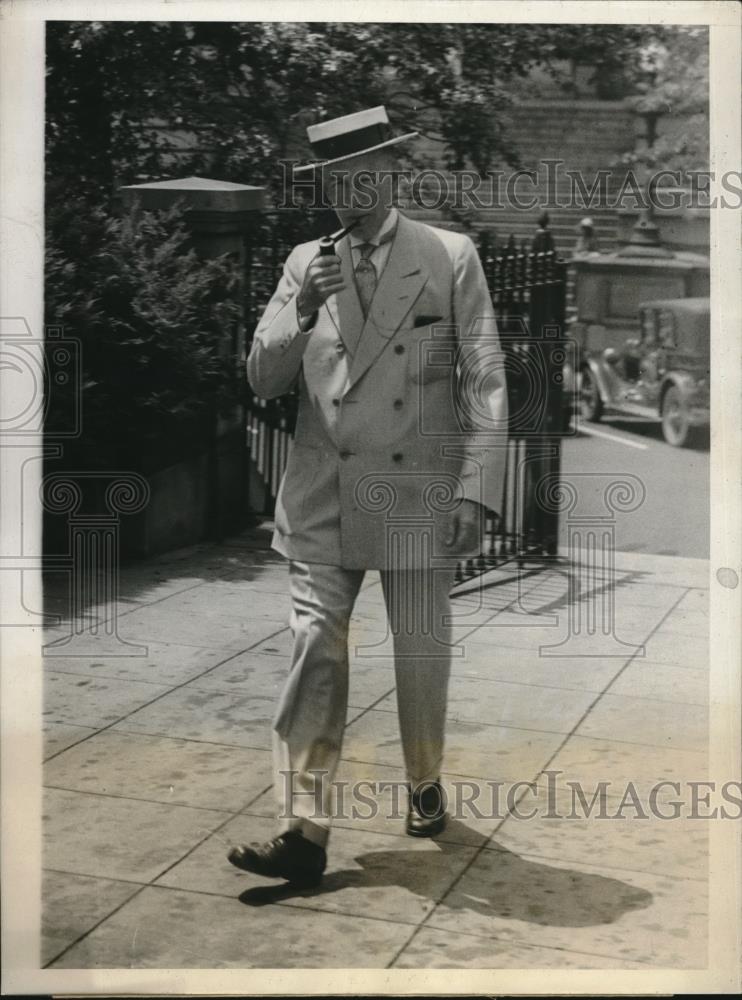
(464, 534)
(322, 279)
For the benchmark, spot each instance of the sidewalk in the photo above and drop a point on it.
(156, 764)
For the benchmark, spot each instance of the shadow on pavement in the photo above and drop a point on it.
(507, 886)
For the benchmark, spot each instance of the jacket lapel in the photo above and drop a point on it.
(345, 307)
(400, 285)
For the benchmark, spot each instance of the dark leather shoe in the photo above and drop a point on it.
(290, 856)
(427, 814)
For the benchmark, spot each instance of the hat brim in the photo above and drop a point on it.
(319, 164)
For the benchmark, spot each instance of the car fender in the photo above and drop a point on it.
(599, 377)
(682, 381)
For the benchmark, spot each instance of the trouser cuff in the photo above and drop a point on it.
(315, 832)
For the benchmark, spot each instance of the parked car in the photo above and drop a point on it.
(663, 374)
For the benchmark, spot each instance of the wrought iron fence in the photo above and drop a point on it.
(528, 293)
(528, 289)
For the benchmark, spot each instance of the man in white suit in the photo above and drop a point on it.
(399, 446)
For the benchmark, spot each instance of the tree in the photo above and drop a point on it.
(242, 91)
(671, 93)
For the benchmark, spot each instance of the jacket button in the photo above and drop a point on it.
(397, 456)
(399, 349)
(398, 404)
(340, 347)
(336, 402)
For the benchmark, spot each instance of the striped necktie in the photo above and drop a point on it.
(365, 272)
(366, 276)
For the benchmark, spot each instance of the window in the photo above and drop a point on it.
(666, 328)
(649, 328)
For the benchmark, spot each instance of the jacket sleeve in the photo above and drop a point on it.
(481, 387)
(278, 343)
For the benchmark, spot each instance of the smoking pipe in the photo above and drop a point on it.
(327, 243)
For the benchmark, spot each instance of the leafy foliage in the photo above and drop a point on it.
(241, 92)
(153, 322)
(671, 93)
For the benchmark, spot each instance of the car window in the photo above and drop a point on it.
(649, 329)
(666, 328)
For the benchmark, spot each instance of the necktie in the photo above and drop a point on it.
(366, 276)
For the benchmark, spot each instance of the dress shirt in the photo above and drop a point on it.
(380, 255)
(378, 258)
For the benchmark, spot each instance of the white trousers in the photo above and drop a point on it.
(311, 716)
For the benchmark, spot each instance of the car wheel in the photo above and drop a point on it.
(591, 404)
(676, 426)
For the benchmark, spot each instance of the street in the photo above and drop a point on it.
(674, 518)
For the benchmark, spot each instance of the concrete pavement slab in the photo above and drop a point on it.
(499, 703)
(193, 757)
(60, 735)
(696, 599)
(230, 599)
(264, 674)
(369, 683)
(210, 716)
(627, 588)
(91, 701)
(472, 749)
(161, 769)
(164, 928)
(151, 580)
(270, 578)
(506, 663)
(611, 835)
(553, 613)
(663, 681)
(466, 616)
(589, 760)
(206, 868)
(691, 651)
(280, 642)
(635, 916)
(165, 663)
(648, 722)
(650, 567)
(368, 874)
(87, 640)
(60, 605)
(685, 623)
(648, 594)
(432, 949)
(73, 905)
(369, 640)
(157, 623)
(119, 838)
(514, 632)
(251, 673)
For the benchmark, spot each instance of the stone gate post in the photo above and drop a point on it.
(220, 216)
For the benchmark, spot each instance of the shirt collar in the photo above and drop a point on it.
(386, 226)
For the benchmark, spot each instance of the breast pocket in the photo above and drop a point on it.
(431, 353)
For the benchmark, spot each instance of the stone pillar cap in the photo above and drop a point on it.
(198, 194)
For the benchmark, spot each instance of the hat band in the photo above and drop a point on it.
(351, 142)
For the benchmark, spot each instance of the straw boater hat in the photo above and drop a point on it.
(353, 135)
